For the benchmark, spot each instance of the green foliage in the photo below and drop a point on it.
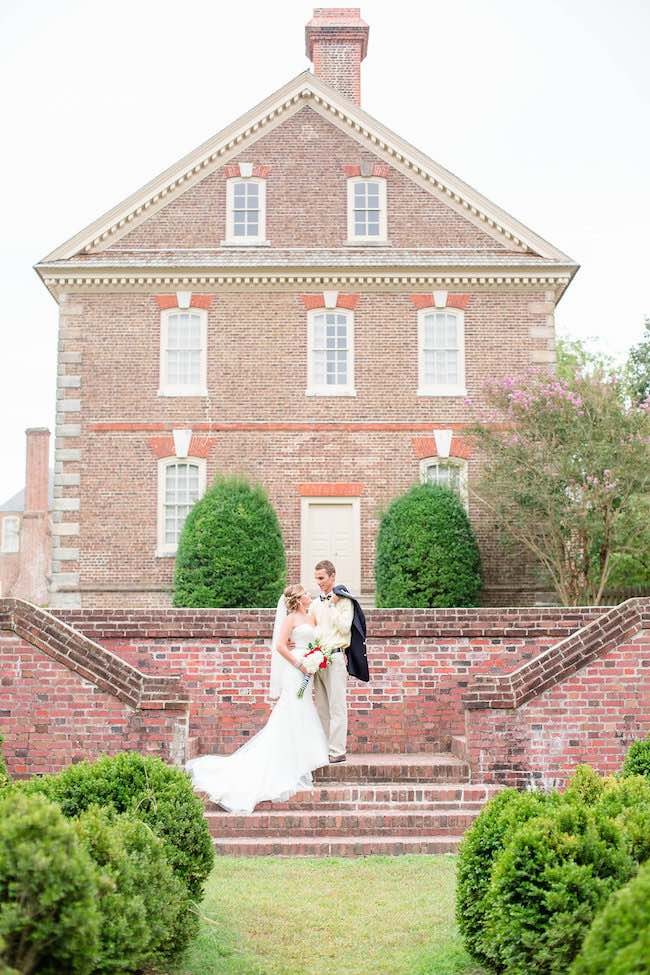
(627, 802)
(585, 785)
(637, 760)
(638, 368)
(49, 918)
(580, 357)
(157, 794)
(4, 774)
(548, 884)
(618, 942)
(566, 472)
(230, 553)
(480, 848)
(146, 913)
(426, 551)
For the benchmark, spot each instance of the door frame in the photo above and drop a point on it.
(306, 568)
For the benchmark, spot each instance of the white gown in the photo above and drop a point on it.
(278, 761)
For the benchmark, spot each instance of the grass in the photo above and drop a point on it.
(368, 916)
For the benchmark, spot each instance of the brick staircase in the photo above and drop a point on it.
(390, 804)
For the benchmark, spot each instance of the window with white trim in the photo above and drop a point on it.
(448, 472)
(330, 353)
(183, 352)
(181, 482)
(441, 352)
(367, 210)
(246, 211)
(10, 534)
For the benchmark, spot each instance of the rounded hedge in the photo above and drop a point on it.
(230, 553)
(547, 885)
(627, 802)
(49, 915)
(618, 942)
(481, 845)
(637, 760)
(427, 554)
(157, 794)
(146, 912)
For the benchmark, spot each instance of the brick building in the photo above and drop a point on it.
(306, 300)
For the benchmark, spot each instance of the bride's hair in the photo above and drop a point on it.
(292, 596)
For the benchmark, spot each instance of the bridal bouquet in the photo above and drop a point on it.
(317, 657)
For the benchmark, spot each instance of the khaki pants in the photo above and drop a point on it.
(330, 689)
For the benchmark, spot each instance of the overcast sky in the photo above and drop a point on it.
(542, 105)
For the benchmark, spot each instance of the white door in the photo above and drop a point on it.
(330, 530)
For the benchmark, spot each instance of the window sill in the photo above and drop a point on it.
(441, 391)
(245, 243)
(178, 391)
(367, 242)
(326, 391)
(161, 554)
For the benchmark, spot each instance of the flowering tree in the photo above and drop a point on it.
(565, 466)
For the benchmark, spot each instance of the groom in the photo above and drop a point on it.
(342, 627)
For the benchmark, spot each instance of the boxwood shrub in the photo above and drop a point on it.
(230, 552)
(481, 846)
(637, 760)
(146, 912)
(49, 912)
(427, 554)
(618, 942)
(627, 802)
(157, 794)
(547, 885)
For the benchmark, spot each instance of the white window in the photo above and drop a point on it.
(366, 210)
(331, 353)
(10, 533)
(449, 472)
(441, 341)
(183, 353)
(180, 484)
(246, 211)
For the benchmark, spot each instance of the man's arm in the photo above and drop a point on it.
(342, 614)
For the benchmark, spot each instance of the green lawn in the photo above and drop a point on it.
(367, 916)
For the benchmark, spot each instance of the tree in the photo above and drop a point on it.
(638, 368)
(581, 357)
(230, 553)
(426, 551)
(566, 466)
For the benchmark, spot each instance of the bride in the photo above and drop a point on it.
(278, 761)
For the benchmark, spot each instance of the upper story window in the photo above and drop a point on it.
(246, 211)
(449, 472)
(331, 353)
(183, 353)
(180, 484)
(441, 342)
(10, 534)
(367, 210)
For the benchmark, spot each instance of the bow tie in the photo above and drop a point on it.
(324, 599)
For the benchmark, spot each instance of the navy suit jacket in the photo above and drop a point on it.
(356, 655)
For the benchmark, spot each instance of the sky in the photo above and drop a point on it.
(542, 105)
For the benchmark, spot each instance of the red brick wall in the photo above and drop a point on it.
(421, 663)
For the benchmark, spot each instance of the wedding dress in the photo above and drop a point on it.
(278, 761)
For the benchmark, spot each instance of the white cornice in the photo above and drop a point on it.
(305, 89)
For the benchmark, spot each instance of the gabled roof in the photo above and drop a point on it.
(306, 88)
(17, 501)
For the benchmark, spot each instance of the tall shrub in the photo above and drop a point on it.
(230, 552)
(49, 918)
(4, 774)
(426, 551)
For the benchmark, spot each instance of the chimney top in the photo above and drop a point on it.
(336, 42)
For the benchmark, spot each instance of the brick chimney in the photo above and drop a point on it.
(336, 41)
(35, 552)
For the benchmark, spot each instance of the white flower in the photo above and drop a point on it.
(313, 661)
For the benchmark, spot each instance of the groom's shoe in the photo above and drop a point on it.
(337, 758)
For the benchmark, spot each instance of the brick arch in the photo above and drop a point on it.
(423, 447)
(164, 446)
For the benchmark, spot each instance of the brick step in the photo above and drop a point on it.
(405, 767)
(331, 846)
(459, 747)
(400, 821)
(345, 796)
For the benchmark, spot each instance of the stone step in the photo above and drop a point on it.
(397, 822)
(192, 748)
(334, 846)
(459, 747)
(384, 795)
(405, 767)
